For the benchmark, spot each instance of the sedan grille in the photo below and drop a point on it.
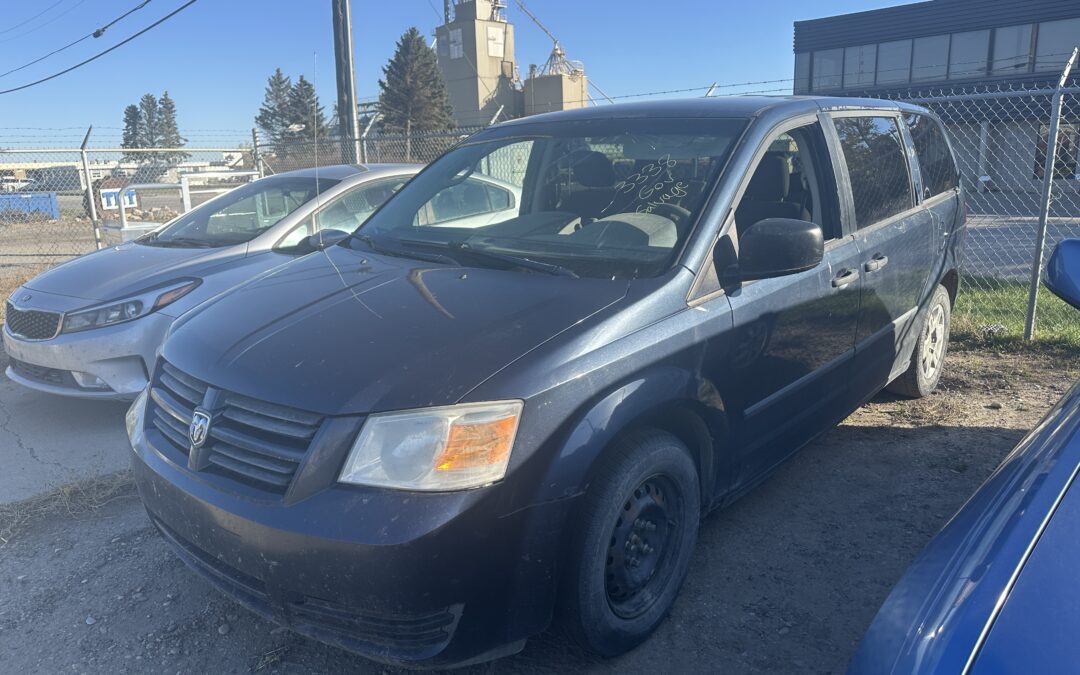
(32, 324)
(252, 442)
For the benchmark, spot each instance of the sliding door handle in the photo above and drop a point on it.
(844, 278)
(876, 263)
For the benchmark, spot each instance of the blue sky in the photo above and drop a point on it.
(215, 56)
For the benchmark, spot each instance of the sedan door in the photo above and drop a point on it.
(896, 240)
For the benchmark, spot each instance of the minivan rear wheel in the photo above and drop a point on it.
(928, 357)
(631, 543)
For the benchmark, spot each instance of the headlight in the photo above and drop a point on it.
(134, 415)
(127, 309)
(433, 449)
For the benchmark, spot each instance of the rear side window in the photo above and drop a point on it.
(936, 163)
(877, 165)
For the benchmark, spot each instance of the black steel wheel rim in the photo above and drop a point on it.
(643, 546)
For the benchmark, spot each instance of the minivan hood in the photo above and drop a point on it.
(349, 332)
(118, 271)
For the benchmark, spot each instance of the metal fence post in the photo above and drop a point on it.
(91, 206)
(256, 156)
(1045, 197)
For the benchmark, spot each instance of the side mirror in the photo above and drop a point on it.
(775, 247)
(1063, 272)
(324, 239)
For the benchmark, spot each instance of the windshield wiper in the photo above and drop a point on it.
(506, 258)
(184, 242)
(398, 253)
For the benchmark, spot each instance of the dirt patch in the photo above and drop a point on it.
(785, 580)
(76, 500)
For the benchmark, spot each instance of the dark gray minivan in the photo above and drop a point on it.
(425, 442)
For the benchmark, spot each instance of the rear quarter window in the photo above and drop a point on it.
(936, 164)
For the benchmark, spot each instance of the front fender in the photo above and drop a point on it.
(662, 396)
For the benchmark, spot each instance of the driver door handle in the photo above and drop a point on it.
(844, 278)
(876, 263)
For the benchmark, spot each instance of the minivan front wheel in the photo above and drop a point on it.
(631, 543)
(928, 357)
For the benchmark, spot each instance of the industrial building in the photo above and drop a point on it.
(475, 46)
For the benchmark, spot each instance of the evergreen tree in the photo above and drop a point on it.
(413, 95)
(168, 131)
(149, 126)
(273, 117)
(132, 129)
(306, 114)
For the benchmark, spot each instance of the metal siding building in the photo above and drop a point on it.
(960, 50)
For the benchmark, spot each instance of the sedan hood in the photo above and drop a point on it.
(118, 271)
(346, 332)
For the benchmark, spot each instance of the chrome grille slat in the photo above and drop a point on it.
(251, 472)
(274, 411)
(255, 459)
(258, 421)
(245, 442)
(189, 394)
(170, 405)
(168, 427)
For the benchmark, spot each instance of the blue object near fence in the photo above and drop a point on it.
(44, 203)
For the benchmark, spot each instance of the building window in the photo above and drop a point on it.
(894, 62)
(1055, 43)
(967, 56)
(859, 65)
(1065, 160)
(457, 49)
(828, 69)
(802, 72)
(1012, 50)
(877, 167)
(930, 58)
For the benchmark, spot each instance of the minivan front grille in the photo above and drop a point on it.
(253, 442)
(31, 324)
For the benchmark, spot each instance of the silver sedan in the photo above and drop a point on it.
(91, 326)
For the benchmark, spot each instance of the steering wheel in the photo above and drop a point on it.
(674, 213)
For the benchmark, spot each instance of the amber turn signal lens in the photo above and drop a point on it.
(470, 446)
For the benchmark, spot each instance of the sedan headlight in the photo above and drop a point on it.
(434, 449)
(127, 309)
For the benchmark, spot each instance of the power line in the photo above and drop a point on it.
(95, 33)
(41, 25)
(103, 53)
(23, 23)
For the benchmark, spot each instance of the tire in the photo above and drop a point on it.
(623, 575)
(928, 357)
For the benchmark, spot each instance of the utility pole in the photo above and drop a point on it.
(348, 124)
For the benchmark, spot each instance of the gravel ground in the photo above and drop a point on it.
(786, 580)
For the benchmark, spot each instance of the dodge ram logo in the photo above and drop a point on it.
(200, 429)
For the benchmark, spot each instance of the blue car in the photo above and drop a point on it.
(996, 591)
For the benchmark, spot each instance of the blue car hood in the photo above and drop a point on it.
(345, 332)
(117, 271)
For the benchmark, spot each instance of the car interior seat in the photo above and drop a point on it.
(767, 194)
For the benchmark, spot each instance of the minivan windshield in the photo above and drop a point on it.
(240, 215)
(610, 198)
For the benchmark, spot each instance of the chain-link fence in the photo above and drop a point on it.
(1001, 136)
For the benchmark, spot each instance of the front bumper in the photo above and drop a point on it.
(120, 356)
(422, 580)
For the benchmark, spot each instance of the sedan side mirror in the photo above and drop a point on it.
(775, 247)
(324, 239)
(1063, 272)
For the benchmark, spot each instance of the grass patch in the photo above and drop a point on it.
(991, 311)
(72, 501)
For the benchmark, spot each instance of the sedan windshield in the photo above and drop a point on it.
(613, 198)
(240, 215)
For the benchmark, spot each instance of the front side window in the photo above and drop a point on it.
(936, 163)
(347, 212)
(242, 214)
(877, 166)
(599, 198)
